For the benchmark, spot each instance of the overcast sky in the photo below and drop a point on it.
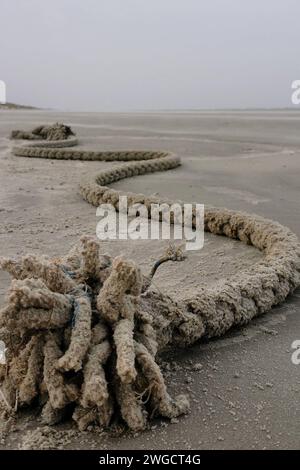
(110, 55)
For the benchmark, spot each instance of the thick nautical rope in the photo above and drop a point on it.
(234, 301)
(93, 325)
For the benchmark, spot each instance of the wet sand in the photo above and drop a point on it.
(246, 392)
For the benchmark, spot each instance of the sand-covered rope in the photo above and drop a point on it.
(83, 332)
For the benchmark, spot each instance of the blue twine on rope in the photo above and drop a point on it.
(71, 274)
(75, 304)
(76, 309)
(82, 293)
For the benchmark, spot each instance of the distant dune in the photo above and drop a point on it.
(15, 106)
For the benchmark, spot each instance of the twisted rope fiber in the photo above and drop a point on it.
(119, 321)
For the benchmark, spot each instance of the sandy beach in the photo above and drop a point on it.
(244, 388)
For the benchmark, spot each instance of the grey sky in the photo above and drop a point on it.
(115, 55)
